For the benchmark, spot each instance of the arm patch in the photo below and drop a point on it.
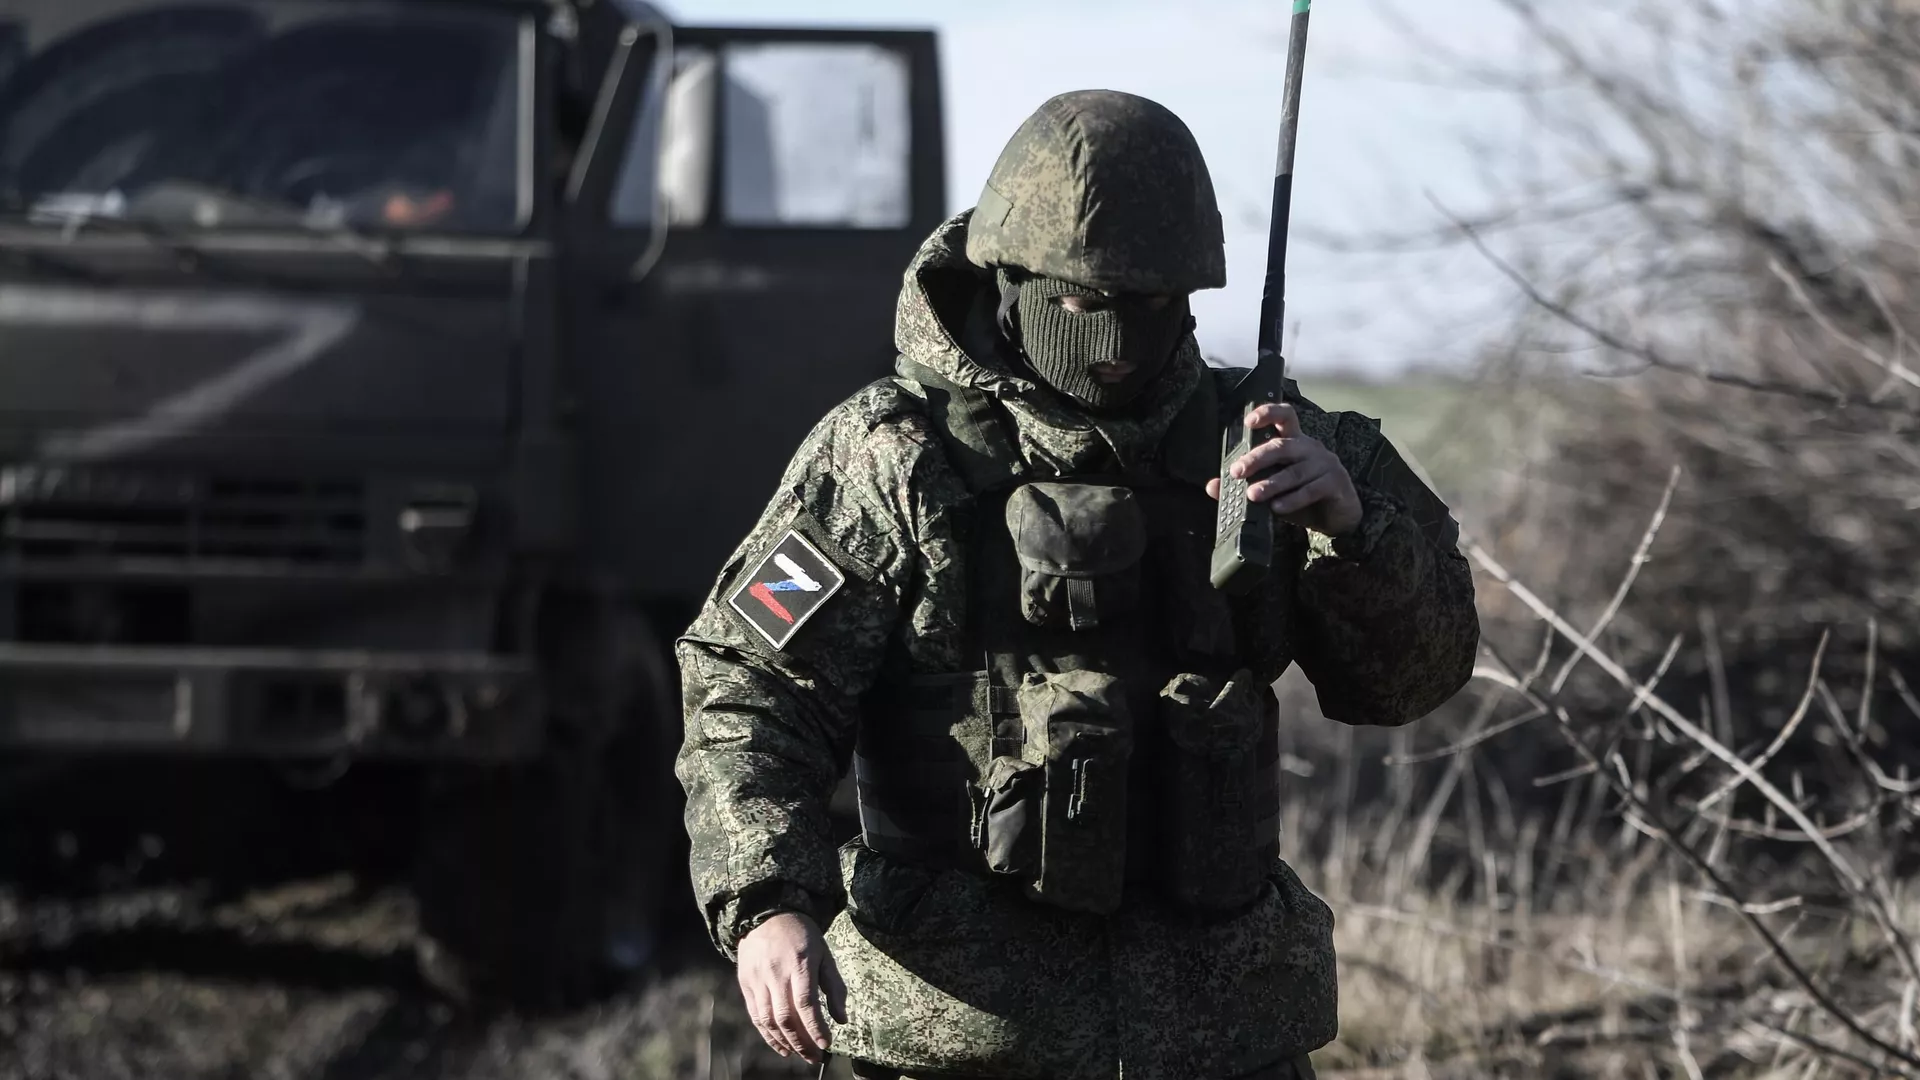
(789, 583)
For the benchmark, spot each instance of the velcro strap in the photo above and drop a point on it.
(1082, 612)
(998, 700)
(1001, 706)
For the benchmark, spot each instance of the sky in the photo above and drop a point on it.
(1383, 138)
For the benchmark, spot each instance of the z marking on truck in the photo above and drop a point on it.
(309, 329)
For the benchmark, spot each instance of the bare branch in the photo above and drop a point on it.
(1669, 837)
(1842, 866)
(1563, 776)
(1652, 357)
(1773, 908)
(1786, 730)
(1472, 740)
(1634, 564)
(1747, 828)
(1906, 694)
(1871, 355)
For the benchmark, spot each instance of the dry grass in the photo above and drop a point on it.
(1631, 969)
(1689, 910)
(1473, 945)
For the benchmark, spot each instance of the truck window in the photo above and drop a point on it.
(311, 112)
(815, 134)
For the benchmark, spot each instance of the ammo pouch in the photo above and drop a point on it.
(1056, 816)
(1214, 805)
(1079, 547)
(1007, 815)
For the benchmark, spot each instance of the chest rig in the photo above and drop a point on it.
(1107, 733)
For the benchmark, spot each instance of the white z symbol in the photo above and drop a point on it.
(312, 327)
(795, 574)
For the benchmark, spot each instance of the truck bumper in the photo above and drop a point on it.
(268, 703)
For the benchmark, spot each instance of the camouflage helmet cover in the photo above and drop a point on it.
(1106, 190)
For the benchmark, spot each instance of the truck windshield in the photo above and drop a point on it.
(303, 113)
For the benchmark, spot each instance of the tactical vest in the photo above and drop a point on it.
(1109, 733)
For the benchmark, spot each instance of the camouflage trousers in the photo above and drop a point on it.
(1298, 1069)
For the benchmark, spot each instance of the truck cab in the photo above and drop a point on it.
(386, 381)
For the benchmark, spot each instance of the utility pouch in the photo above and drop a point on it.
(1210, 789)
(1078, 736)
(1007, 807)
(1079, 547)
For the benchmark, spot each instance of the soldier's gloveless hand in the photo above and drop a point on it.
(784, 969)
(1309, 488)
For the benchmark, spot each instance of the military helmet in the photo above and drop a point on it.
(1106, 190)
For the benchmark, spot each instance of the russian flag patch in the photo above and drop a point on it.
(791, 582)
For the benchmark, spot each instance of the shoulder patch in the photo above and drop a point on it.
(788, 585)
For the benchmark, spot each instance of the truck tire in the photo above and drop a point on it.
(540, 885)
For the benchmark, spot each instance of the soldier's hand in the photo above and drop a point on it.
(1310, 486)
(784, 968)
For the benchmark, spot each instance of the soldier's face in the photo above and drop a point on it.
(1115, 371)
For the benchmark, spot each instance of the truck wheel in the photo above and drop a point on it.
(540, 885)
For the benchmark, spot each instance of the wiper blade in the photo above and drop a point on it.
(79, 213)
(76, 218)
(377, 251)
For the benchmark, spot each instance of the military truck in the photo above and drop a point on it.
(382, 384)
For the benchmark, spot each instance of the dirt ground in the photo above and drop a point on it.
(316, 981)
(226, 924)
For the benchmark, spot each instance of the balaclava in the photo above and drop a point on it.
(1063, 346)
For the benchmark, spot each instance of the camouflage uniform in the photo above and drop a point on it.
(949, 973)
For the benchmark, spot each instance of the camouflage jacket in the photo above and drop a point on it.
(947, 974)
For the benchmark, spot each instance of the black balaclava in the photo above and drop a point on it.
(1061, 347)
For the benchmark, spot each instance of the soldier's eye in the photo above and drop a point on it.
(1082, 305)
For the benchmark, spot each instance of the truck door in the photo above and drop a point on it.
(734, 269)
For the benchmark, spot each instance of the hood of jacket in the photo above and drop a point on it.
(945, 324)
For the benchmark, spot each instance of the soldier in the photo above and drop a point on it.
(983, 583)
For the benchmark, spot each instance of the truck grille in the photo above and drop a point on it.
(61, 514)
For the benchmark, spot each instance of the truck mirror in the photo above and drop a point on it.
(685, 140)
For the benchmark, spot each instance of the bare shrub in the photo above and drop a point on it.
(1670, 837)
(1744, 269)
(1723, 917)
